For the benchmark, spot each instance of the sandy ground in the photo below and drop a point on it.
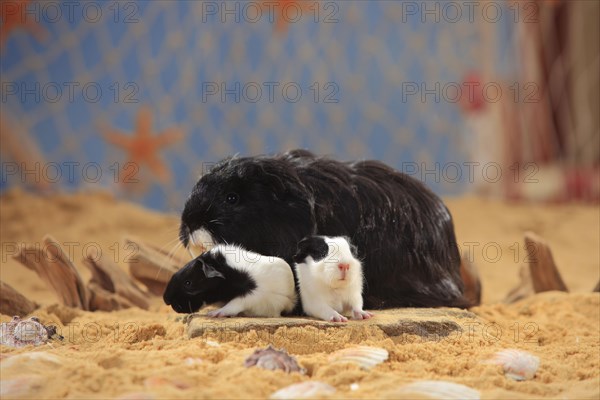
(146, 354)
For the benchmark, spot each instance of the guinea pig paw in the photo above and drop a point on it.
(338, 318)
(360, 314)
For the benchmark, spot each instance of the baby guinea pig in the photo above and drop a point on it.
(247, 282)
(330, 279)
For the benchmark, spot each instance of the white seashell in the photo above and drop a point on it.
(23, 332)
(440, 390)
(28, 361)
(304, 390)
(190, 361)
(273, 359)
(354, 386)
(517, 364)
(20, 386)
(364, 356)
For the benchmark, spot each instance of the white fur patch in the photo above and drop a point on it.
(275, 292)
(327, 292)
(200, 240)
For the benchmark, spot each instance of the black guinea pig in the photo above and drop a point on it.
(403, 232)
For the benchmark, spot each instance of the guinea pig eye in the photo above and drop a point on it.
(232, 198)
(188, 283)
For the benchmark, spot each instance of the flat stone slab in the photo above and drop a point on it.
(428, 323)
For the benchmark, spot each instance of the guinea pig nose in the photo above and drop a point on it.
(344, 267)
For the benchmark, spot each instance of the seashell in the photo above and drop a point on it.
(303, 390)
(23, 332)
(440, 390)
(517, 364)
(190, 361)
(30, 361)
(354, 386)
(272, 359)
(365, 356)
(20, 386)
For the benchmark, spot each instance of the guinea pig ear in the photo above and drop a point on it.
(302, 251)
(210, 272)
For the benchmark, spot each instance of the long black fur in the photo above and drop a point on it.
(403, 232)
(190, 287)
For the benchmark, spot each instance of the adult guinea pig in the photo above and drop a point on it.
(403, 232)
(246, 282)
(330, 279)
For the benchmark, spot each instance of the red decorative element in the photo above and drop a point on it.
(15, 14)
(285, 12)
(472, 99)
(143, 148)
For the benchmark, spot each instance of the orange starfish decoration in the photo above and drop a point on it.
(143, 147)
(14, 15)
(286, 12)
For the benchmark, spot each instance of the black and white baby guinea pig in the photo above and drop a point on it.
(248, 283)
(330, 279)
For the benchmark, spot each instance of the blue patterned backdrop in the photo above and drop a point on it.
(93, 86)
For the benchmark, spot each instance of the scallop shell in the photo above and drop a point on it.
(440, 390)
(365, 356)
(303, 390)
(21, 386)
(23, 332)
(517, 364)
(34, 361)
(272, 359)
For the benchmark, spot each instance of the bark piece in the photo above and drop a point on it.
(112, 279)
(103, 300)
(544, 273)
(151, 266)
(13, 302)
(56, 269)
(540, 274)
(470, 277)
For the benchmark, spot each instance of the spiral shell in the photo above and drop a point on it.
(272, 359)
(365, 356)
(20, 333)
(440, 390)
(303, 390)
(517, 364)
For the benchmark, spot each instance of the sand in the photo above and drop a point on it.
(147, 354)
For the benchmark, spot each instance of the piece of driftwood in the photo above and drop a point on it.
(540, 274)
(470, 277)
(110, 288)
(152, 266)
(56, 269)
(113, 280)
(544, 273)
(13, 302)
(103, 300)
